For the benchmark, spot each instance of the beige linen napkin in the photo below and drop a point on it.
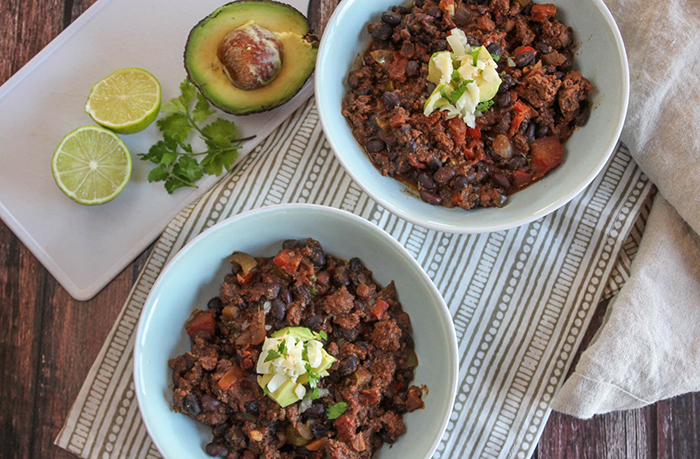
(649, 346)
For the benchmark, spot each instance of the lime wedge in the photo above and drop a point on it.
(91, 165)
(126, 101)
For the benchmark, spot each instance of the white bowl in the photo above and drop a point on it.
(194, 276)
(601, 58)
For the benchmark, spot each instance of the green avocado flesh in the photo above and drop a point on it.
(206, 71)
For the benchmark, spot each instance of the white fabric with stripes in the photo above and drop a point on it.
(521, 300)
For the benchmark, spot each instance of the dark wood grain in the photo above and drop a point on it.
(48, 341)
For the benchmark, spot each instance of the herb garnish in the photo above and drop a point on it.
(272, 355)
(337, 410)
(483, 106)
(176, 162)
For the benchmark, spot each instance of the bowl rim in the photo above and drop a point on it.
(441, 306)
(414, 217)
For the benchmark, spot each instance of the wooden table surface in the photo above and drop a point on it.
(48, 341)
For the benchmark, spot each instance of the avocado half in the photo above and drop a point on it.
(299, 49)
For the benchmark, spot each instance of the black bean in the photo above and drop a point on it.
(243, 305)
(402, 166)
(582, 117)
(462, 15)
(278, 308)
(420, 3)
(501, 180)
(399, 9)
(473, 41)
(350, 334)
(348, 366)
(507, 81)
(319, 431)
(459, 183)
(290, 244)
(252, 406)
(494, 49)
(524, 58)
(471, 176)
(341, 275)
(356, 264)
(285, 295)
(316, 255)
(531, 133)
(214, 303)
(543, 48)
(391, 99)
(393, 19)
(220, 430)
(386, 437)
(375, 145)
(430, 198)
(444, 175)
(353, 81)
(426, 40)
(559, 75)
(440, 45)
(189, 360)
(434, 11)
(383, 32)
(209, 403)
(314, 322)
(315, 411)
(505, 100)
(192, 404)
(517, 162)
(426, 181)
(542, 131)
(271, 291)
(216, 450)
(410, 344)
(434, 162)
(412, 69)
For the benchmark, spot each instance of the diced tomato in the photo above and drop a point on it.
(245, 280)
(346, 426)
(397, 69)
(233, 376)
(546, 154)
(378, 309)
(522, 49)
(201, 321)
(288, 261)
(474, 133)
(522, 112)
(520, 179)
(543, 13)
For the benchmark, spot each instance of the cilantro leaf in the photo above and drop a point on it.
(313, 290)
(457, 93)
(337, 410)
(483, 106)
(305, 353)
(282, 348)
(313, 377)
(474, 53)
(272, 355)
(188, 168)
(187, 90)
(323, 335)
(175, 126)
(220, 133)
(314, 394)
(158, 174)
(217, 161)
(496, 57)
(456, 76)
(201, 110)
(266, 391)
(174, 106)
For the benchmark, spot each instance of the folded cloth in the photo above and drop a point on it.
(647, 349)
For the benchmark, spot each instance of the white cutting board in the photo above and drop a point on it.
(86, 247)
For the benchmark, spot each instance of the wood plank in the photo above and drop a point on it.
(679, 427)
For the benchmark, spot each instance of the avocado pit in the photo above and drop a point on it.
(251, 56)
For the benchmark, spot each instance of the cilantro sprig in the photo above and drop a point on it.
(483, 106)
(337, 410)
(272, 355)
(176, 162)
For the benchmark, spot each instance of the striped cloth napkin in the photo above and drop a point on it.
(521, 300)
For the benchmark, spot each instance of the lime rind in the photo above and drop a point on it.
(91, 184)
(103, 105)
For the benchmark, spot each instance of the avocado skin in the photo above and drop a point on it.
(204, 86)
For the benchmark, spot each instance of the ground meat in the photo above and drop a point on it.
(339, 302)
(368, 333)
(575, 89)
(446, 162)
(540, 89)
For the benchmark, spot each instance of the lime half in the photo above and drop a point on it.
(91, 165)
(126, 101)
